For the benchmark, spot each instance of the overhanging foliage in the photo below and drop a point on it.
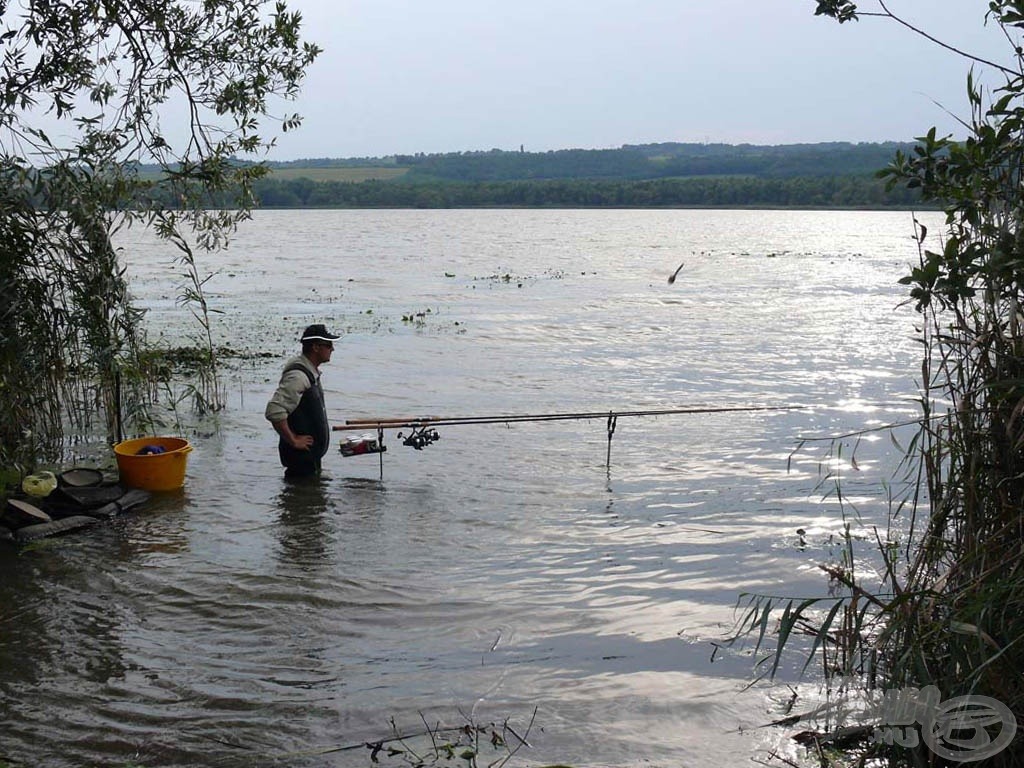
(88, 90)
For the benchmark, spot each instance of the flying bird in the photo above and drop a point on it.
(672, 277)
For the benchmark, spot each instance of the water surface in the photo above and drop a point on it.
(504, 570)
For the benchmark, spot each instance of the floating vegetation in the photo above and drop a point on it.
(499, 278)
(476, 745)
(507, 278)
(165, 362)
(418, 320)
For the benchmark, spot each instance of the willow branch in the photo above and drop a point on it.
(941, 44)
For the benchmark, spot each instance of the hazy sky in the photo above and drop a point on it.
(404, 76)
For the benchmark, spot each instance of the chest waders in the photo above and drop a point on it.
(308, 418)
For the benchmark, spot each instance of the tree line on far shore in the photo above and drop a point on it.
(725, 191)
(827, 175)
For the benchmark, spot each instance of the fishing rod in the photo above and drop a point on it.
(423, 429)
(415, 421)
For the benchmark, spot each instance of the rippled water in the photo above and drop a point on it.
(504, 570)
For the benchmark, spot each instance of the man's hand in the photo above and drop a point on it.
(298, 442)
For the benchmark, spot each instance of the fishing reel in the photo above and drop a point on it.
(420, 438)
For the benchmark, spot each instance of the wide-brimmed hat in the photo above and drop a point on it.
(319, 332)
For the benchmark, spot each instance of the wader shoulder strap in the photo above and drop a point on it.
(304, 369)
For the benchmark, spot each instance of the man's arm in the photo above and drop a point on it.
(299, 442)
(285, 400)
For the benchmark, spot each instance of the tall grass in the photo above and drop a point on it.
(75, 366)
(67, 326)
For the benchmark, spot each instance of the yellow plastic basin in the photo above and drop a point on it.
(155, 471)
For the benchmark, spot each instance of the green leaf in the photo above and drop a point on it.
(822, 634)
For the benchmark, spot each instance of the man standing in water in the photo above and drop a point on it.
(297, 411)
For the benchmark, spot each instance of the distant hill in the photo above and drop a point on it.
(655, 161)
(629, 162)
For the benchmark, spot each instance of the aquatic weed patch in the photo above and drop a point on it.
(519, 281)
(183, 360)
(419, 321)
(474, 744)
